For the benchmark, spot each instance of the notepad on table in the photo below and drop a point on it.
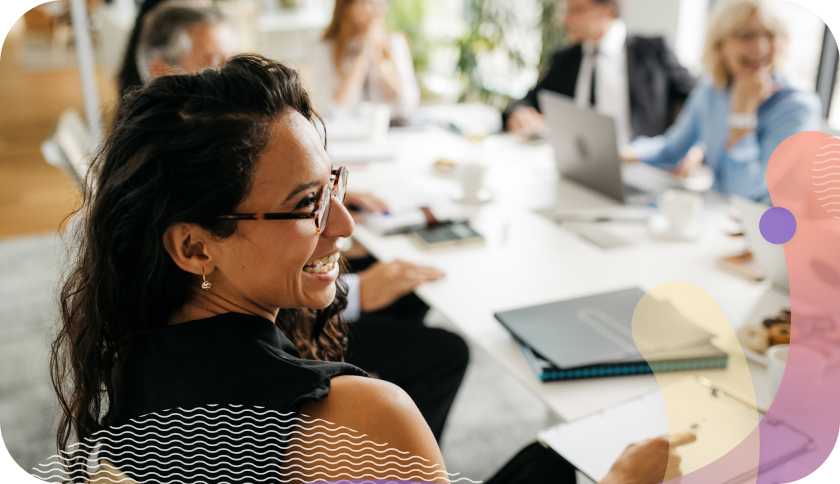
(720, 421)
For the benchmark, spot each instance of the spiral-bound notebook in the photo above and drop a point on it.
(591, 337)
(546, 371)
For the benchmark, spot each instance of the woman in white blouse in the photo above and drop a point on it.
(358, 61)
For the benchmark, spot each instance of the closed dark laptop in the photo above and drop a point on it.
(598, 330)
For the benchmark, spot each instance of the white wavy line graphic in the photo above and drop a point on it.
(826, 161)
(827, 189)
(826, 175)
(202, 424)
(186, 417)
(305, 475)
(173, 413)
(223, 409)
(365, 462)
(366, 476)
(365, 456)
(263, 456)
(283, 460)
(348, 448)
(826, 146)
(833, 210)
(829, 196)
(825, 183)
(198, 448)
(214, 433)
(828, 153)
(272, 455)
(305, 468)
(826, 168)
(256, 456)
(237, 441)
(281, 471)
(196, 473)
(832, 203)
(343, 481)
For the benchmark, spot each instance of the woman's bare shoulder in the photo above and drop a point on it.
(381, 411)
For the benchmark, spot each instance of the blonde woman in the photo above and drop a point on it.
(743, 110)
(358, 60)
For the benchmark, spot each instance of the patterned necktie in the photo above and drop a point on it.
(594, 70)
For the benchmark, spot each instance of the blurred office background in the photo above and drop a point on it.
(487, 51)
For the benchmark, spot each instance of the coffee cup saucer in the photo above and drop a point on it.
(484, 195)
(660, 227)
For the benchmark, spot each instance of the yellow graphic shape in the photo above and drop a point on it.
(653, 323)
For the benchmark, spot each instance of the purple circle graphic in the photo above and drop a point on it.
(777, 225)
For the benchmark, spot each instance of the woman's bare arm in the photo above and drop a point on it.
(403, 445)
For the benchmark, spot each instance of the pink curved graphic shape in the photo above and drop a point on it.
(803, 176)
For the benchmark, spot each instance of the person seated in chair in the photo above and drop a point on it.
(736, 117)
(357, 61)
(636, 80)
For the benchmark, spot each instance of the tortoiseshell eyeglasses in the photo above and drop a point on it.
(321, 213)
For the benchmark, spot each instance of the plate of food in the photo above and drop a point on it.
(757, 339)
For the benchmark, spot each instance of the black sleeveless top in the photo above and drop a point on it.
(199, 393)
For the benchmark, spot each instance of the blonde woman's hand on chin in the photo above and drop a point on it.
(750, 90)
(649, 462)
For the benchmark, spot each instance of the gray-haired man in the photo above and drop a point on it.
(180, 37)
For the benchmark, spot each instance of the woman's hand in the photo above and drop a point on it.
(627, 154)
(365, 201)
(649, 462)
(690, 162)
(750, 91)
(377, 40)
(525, 118)
(382, 284)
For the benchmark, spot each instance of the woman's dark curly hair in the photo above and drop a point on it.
(183, 150)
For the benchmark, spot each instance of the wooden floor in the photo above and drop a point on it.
(34, 196)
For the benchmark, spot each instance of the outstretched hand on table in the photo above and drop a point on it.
(381, 285)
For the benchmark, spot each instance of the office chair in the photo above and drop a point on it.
(69, 146)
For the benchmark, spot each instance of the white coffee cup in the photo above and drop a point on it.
(378, 119)
(807, 372)
(472, 175)
(680, 208)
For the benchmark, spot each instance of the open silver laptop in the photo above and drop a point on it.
(769, 257)
(585, 148)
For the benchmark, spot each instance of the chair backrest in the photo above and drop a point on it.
(68, 146)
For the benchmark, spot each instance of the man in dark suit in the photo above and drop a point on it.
(636, 80)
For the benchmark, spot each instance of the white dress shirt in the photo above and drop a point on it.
(612, 89)
(326, 79)
(354, 300)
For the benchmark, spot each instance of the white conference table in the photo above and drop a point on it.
(528, 259)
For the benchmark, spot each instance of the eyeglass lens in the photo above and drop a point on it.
(341, 186)
(321, 221)
(326, 197)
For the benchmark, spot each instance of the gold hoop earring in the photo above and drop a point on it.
(206, 284)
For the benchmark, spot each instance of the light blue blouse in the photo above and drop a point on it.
(741, 169)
